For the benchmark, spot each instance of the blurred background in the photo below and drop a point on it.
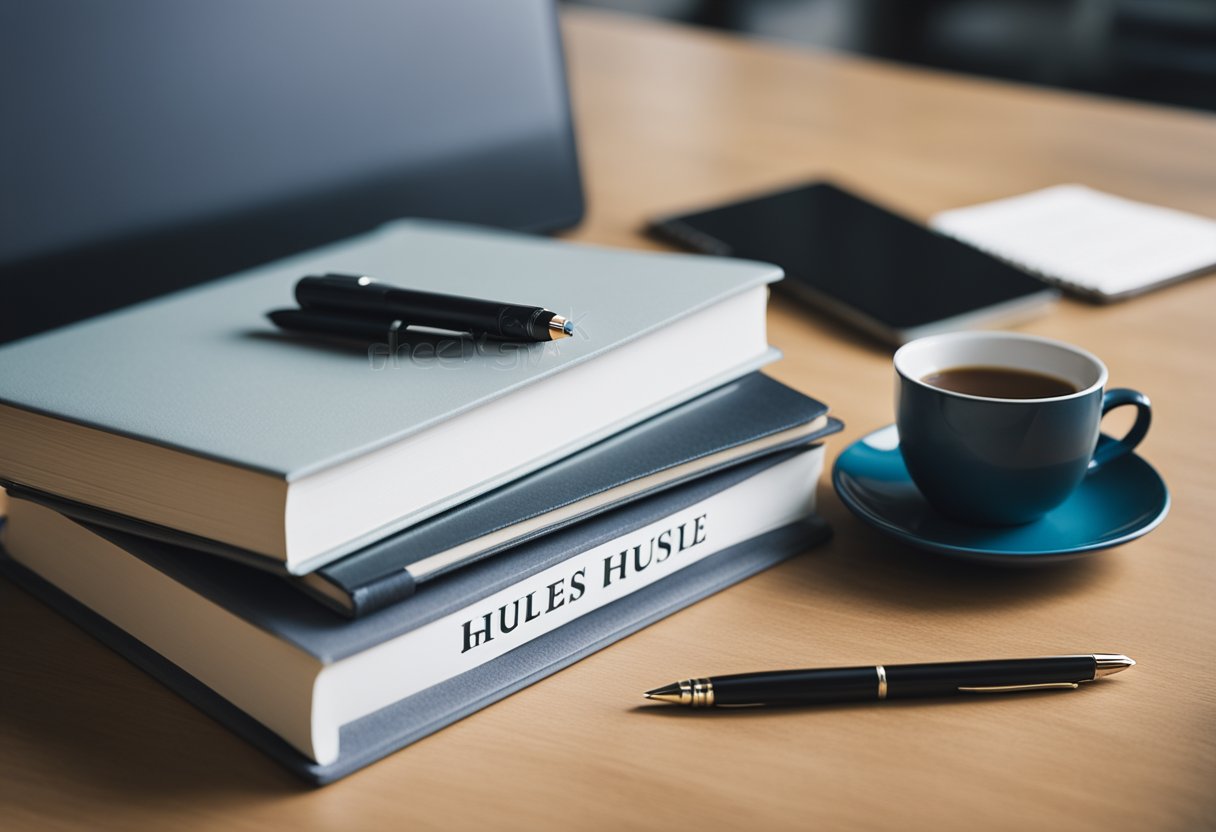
(1151, 50)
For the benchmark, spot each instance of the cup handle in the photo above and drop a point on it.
(1110, 449)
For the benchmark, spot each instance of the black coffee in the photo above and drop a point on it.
(1000, 383)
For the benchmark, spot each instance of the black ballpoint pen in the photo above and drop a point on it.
(358, 305)
(896, 681)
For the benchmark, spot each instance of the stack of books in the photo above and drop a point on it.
(336, 550)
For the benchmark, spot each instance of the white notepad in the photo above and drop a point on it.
(1092, 243)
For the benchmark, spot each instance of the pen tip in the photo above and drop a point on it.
(560, 327)
(667, 693)
(1109, 663)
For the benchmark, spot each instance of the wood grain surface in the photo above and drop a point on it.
(670, 118)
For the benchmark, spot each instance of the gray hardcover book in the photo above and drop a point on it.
(326, 696)
(193, 412)
(735, 423)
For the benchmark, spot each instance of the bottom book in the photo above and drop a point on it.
(326, 697)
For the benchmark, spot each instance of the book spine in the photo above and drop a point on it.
(400, 584)
(587, 580)
(380, 593)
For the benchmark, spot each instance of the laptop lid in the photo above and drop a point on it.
(148, 146)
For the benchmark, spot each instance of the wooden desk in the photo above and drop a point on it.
(670, 118)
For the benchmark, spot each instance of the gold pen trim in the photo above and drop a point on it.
(1014, 688)
(882, 681)
(699, 693)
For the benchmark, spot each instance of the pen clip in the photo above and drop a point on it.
(1013, 688)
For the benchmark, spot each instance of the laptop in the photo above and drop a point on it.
(150, 146)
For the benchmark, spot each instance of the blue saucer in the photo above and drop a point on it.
(1121, 501)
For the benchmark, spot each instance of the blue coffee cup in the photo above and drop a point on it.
(1005, 461)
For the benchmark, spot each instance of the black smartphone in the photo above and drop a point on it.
(881, 272)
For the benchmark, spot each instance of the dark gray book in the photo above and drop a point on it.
(326, 696)
(741, 421)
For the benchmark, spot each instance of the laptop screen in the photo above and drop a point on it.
(148, 146)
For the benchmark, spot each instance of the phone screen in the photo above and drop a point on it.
(854, 254)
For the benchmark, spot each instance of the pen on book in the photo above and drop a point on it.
(359, 306)
(893, 681)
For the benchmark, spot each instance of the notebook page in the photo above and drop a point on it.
(1087, 239)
